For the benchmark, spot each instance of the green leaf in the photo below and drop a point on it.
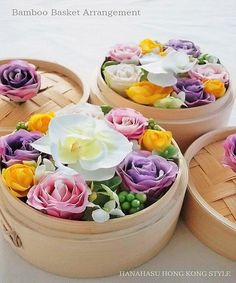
(112, 183)
(170, 152)
(106, 109)
(144, 76)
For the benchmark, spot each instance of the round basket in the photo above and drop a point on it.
(210, 204)
(59, 87)
(185, 124)
(85, 248)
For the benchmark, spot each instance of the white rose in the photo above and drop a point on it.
(120, 77)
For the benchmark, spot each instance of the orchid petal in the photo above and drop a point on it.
(163, 80)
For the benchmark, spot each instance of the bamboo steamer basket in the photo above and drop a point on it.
(185, 124)
(210, 203)
(59, 87)
(85, 248)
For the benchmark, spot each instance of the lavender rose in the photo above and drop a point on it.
(184, 45)
(194, 94)
(230, 152)
(15, 148)
(19, 80)
(143, 172)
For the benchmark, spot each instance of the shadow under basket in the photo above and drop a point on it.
(59, 87)
(86, 248)
(186, 124)
(210, 202)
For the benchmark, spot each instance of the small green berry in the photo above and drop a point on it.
(156, 127)
(141, 206)
(122, 198)
(134, 210)
(141, 197)
(130, 197)
(21, 125)
(135, 203)
(123, 193)
(125, 205)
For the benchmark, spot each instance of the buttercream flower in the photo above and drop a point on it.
(184, 45)
(194, 94)
(215, 87)
(122, 76)
(210, 72)
(164, 70)
(87, 145)
(60, 195)
(230, 152)
(16, 147)
(86, 109)
(127, 53)
(143, 172)
(169, 103)
(39, 122)
(128, 122)
(147, 93)
(148, 45)
(19, 178)
(155, 140)
(19, 80)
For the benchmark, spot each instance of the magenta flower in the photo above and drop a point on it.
(143, 172)
(128, 122)
(19, 80)
(60, 195)
(16, 147)
(230, 152)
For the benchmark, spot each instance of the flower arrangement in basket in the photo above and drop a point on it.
(88, 162)
(171, 75)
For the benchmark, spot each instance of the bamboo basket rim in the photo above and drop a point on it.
(79, 76)
(194, 148)
(88, 225)
(192, 110)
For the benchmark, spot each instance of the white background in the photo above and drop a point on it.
(80, 43)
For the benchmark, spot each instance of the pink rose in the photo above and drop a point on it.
(128, 122)
(19, 80)
(230, 152)
(210, 72)
(127, 53)
(60, 195)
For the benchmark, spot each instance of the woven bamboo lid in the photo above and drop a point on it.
(214, 182)
(59, 87)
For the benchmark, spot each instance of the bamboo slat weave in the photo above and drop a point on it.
(57, 90)
(215, 183)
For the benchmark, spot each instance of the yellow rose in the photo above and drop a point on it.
(215, 87)
(147, 93)
(148, 45)
(155, 140)
(19, 178)
(39, 122)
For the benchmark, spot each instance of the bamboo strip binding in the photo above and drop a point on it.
(59, 87)
(215, 183)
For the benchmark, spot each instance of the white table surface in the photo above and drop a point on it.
(79, 43)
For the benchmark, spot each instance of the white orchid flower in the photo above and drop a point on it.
(163, 71)
(87, 145)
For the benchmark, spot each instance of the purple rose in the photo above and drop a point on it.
(194, 94)
(19, 80)
(143, 172)
(15, 148)
(184, 45)
(230, 152)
